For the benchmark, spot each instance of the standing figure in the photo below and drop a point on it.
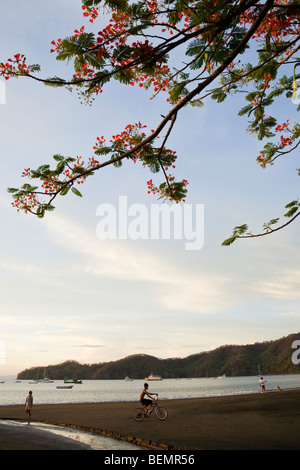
(28, 405)
(262, 384)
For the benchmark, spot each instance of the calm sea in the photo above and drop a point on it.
(94, 391)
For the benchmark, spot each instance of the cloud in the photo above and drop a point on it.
(203, 294)
(175, 288)
(281, 284)
(276, 274)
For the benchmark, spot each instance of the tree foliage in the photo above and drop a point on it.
(205, 42)
(274, 357)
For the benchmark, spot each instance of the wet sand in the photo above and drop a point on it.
(243, 422)
(28, 438)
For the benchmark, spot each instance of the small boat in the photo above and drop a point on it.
(221, 376)
(64, 386)
(73, 381)
(45, 380)
(128, 379)
(153, 377)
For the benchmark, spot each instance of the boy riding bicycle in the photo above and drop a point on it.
(146, 401)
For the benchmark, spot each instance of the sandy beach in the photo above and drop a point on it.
(269, 421)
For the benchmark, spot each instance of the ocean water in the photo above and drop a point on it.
(94, 391)
(14, 392)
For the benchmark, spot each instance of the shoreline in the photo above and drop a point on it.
(235, 422)
(196, 397)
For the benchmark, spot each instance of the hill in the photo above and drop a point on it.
(270, 357)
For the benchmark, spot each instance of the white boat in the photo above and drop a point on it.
(45, 379)
(222, 376)
(128, 379)
(64, 386)
(153, 377)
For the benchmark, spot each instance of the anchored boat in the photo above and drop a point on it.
(153, 377)
(72, 381)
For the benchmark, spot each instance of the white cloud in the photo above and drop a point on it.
(176, 288)
(281, 284)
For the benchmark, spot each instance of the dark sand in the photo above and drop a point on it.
(243, 422)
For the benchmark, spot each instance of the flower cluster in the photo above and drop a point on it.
(170, 190)
(122, 142)
(272, 151)
(284, 141)
(14, 67)
(149, 156)
(90, 12)
(27, 203)
(282, 127)
(57, 45)
(53, 182)
(272, 25)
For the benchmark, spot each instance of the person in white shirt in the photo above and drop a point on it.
(262, 384)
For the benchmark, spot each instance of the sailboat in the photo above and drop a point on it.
(45, 379)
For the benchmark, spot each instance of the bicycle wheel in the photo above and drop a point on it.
(161, 413)
(139, 414)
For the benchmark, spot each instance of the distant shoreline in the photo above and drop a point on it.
(203, 364)
(269, 421)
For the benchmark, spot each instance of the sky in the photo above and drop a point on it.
(69, 294)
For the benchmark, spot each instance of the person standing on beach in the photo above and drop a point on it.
(146, 401)
(28, 405)
(262, 384)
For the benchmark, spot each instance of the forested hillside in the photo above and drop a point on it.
(271, 357)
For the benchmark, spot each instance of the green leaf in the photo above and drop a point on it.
(12, 190)
(75, 191)
(78, 169)
(292, 211)
(229, 241)
(64, 190)
(34, 68)
(58, 157)
(219, 95)
(55, 82)
(291, 204)
(240, 230)
(245, 110)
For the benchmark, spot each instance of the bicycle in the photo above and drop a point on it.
(160, 412)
